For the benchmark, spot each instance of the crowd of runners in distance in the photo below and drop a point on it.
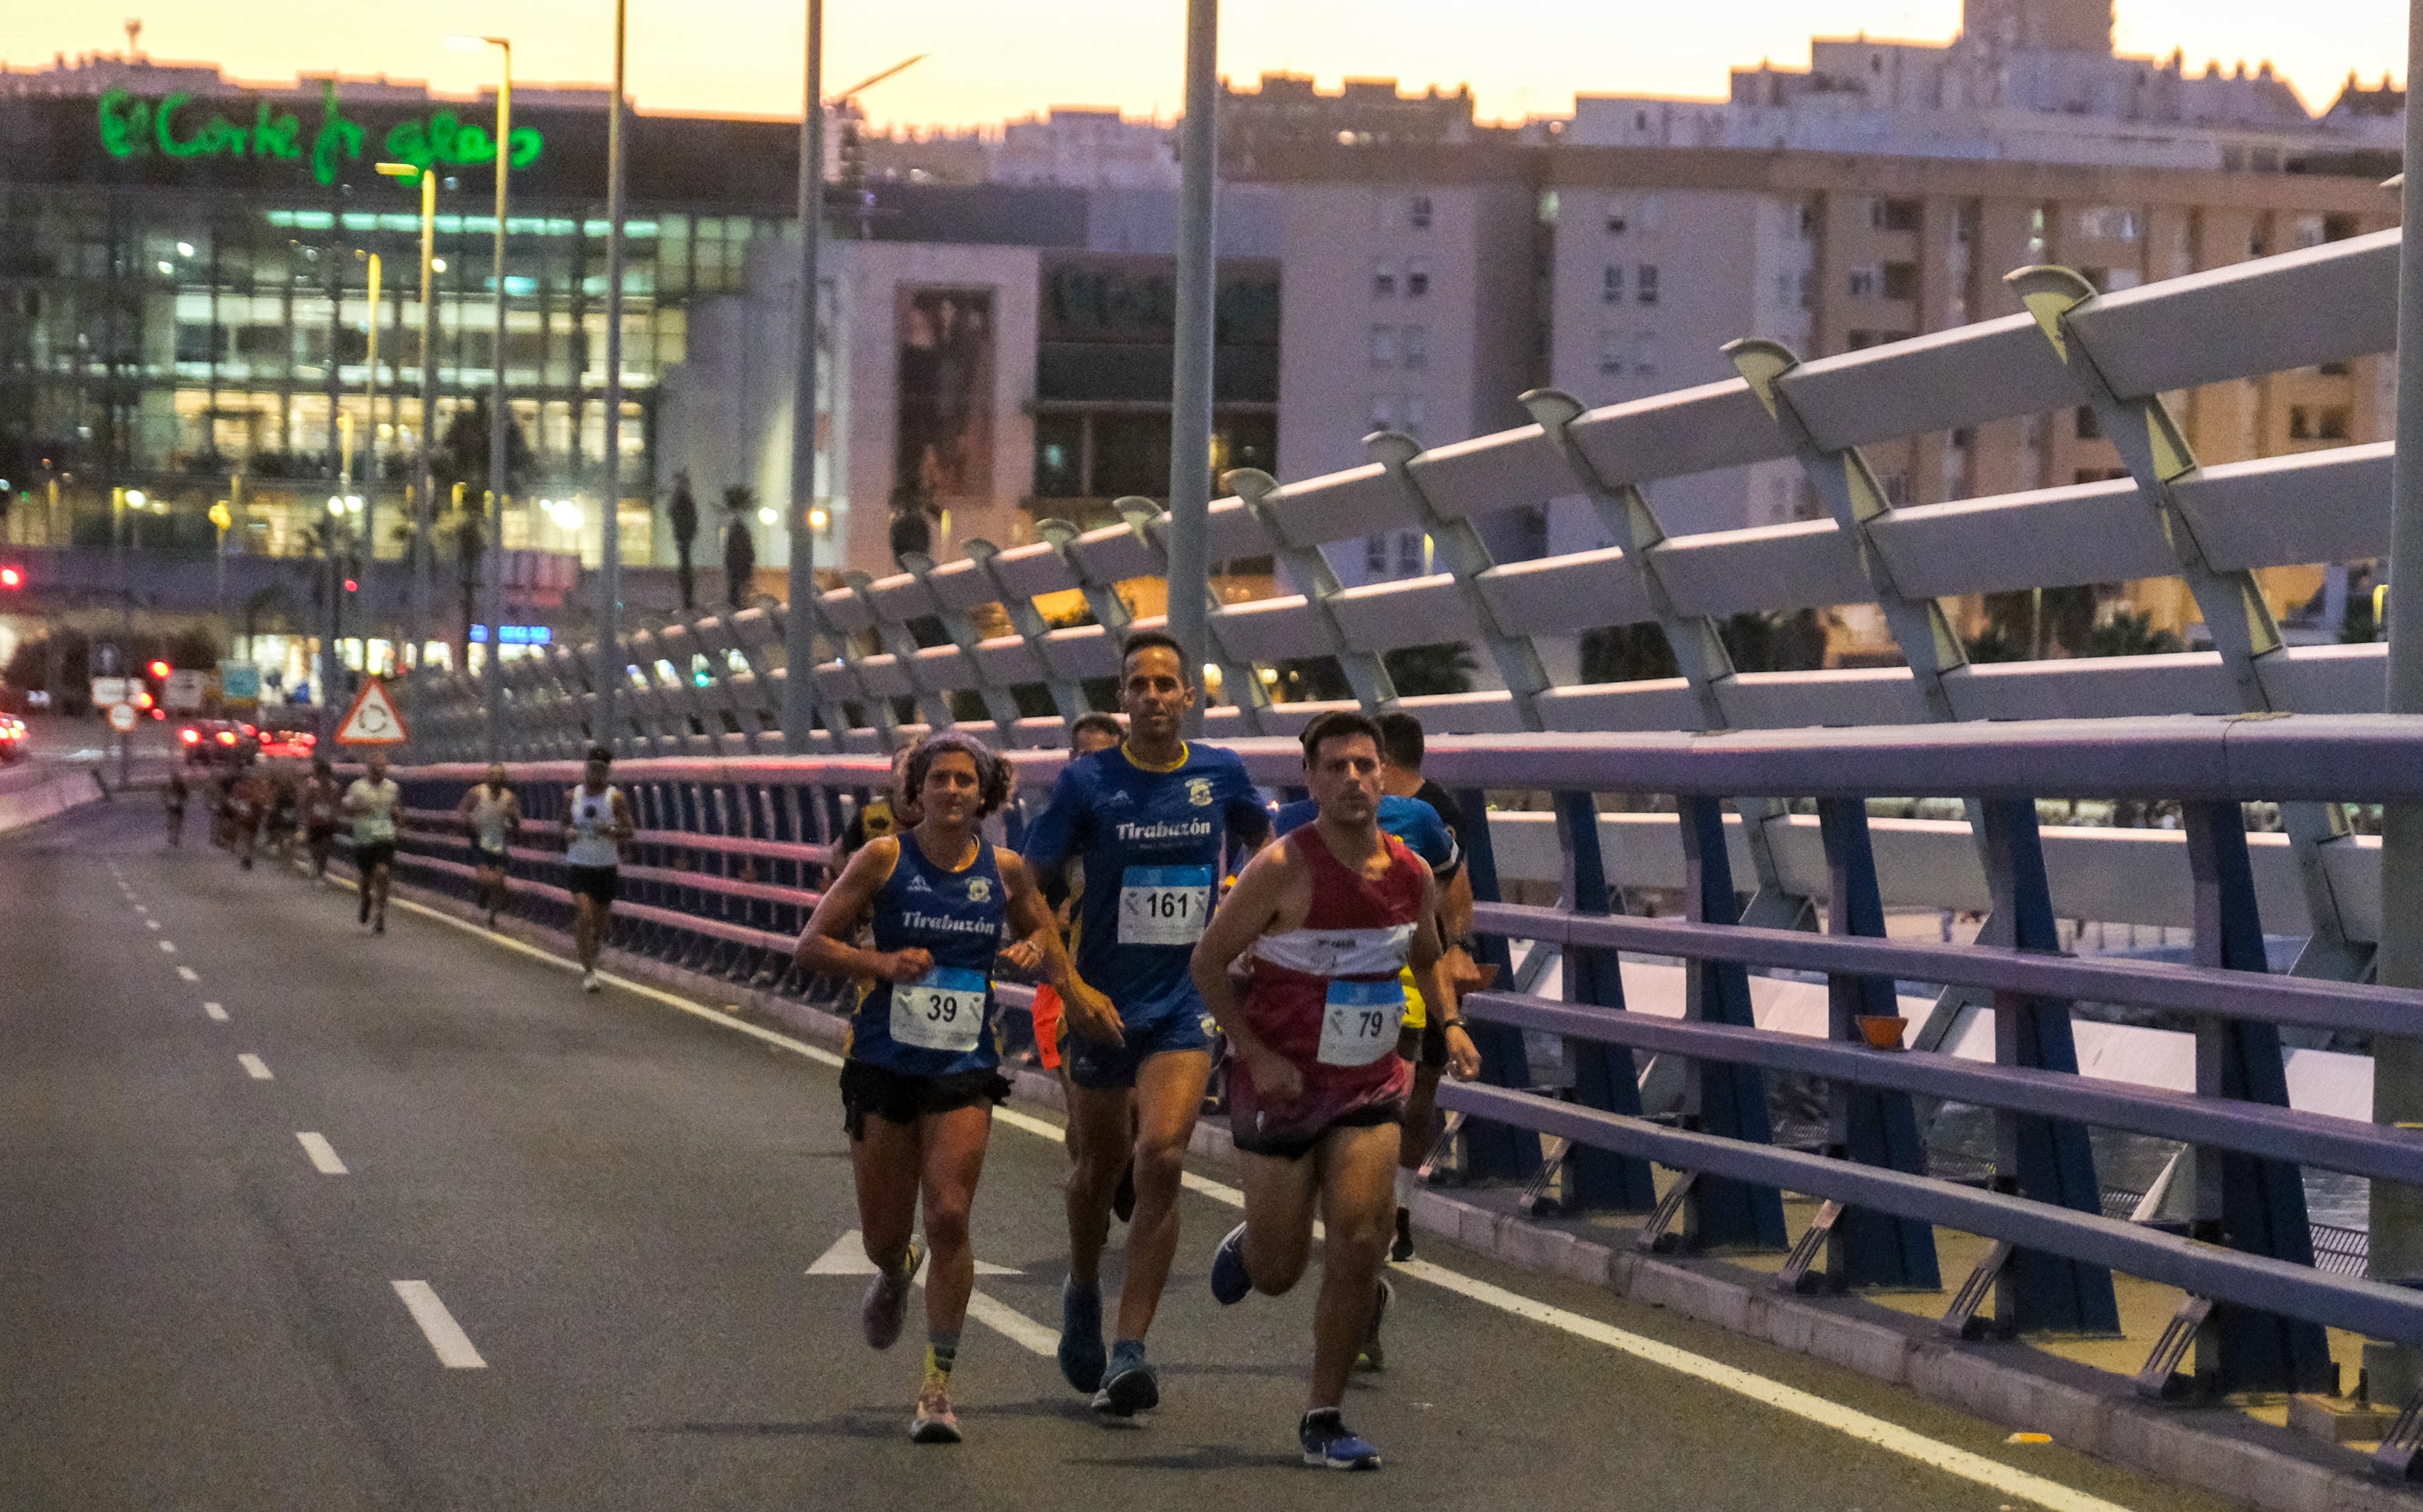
(1172, 916)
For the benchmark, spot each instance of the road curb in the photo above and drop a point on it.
(2217, 1450)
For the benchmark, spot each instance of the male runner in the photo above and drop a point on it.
(322, 805)
(1426, 1045)
(1146, 817)
(492, 816)
(371, 803)
(173, 796)
(597, 822)
(1332, 913)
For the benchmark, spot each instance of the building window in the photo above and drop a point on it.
(1644, 353)
(1619, 217)
(1383, 346)
(2309, 231)
(1384, 280)
(1417, 279)
(1413, 345)
(1417, 411)
(1384, 413)
(2334, 426)
(1647, 293)
(1409, 553)
(1894, 214)
(1610, 284)
(1901, 280)
(1610, 353)
(2090, 428)
(1375, 555)
(2301, 424)
(2112, 223)
(2337, 227)
(1418, 213)
(1865, 282)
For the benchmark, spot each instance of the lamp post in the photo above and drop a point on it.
(1189, 399)
(492, 669)
(368, 495)
(425, 482)
(609, 585)
(799, 628)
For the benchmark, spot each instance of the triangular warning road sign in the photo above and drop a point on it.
(373, 719)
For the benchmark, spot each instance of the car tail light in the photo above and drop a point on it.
(227, 736)
(190, 737)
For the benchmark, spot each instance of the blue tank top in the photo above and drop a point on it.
(943, 1024)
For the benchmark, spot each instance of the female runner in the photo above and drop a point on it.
(923, 1067)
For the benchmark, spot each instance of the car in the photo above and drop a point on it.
(212, 741)
(13, 745)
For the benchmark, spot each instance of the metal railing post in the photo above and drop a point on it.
(1494, 1152)
(1605, 1075)
(1722, 1099)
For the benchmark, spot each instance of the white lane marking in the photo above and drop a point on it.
(322, 1154)
(1847, 1421)
(150, 923)
(1800, 1404)
(169, 947)
(438, 1327)
(188, 974)
(1014, 1326)
(847, 1257)
(255, 1067)
(215, 1012)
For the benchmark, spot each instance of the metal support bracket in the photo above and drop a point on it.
(2160, 1379)
(1961, 1320)
(1365, 671)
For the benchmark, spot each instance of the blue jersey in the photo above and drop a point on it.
(941, 1025)
(1409, 819)
(1150, 842)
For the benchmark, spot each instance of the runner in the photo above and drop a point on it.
(371, 802)
(248, 803)
(1426, 1045)
(322, 805)
(1147, 819)
(597, 819)
(492, 816)
(1331, 915)
(173, 797)
(924, 1068)
(280, 820)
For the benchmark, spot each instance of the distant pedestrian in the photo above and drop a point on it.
(597, 819)
(173, 798)
(322, 805)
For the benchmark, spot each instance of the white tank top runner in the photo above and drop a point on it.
(592, 830)
(488, 816)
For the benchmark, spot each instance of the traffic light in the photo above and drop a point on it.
(12, 578)
(160, 671)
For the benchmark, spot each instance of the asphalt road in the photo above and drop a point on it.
(614, 1207)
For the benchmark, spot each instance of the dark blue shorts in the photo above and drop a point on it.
(1100, 1067)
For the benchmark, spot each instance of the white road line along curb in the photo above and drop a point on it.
(1849, 1422)
(445, 1335)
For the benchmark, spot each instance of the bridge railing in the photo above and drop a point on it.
(964, 641)
(727, 864)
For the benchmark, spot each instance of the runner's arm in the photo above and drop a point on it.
(624, 828)
(1241, 919)
(824, 944)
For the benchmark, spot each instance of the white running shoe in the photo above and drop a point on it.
(589, 981)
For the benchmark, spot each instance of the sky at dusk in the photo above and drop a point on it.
(993, 59)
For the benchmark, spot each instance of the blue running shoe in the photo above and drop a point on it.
(1327, 1441)
(1230, 1280)
(1128, 1385)
(1080, 1335)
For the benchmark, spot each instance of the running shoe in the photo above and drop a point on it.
(886, 1303)
(934, 1423)
(378, 925)
(362, 915)
(1128, 1385)
(1327, 1441)
(1231, 1280)
(1081, 1336)
(1372, 1357)
(589, 981)
(492, 919)
(1402, 1250)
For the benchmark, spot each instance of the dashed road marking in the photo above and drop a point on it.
(169, 947)
(322, 1154)
(215, 1012)
(189, 974)
(150, 923)
(254, 1067)
(445, 1335)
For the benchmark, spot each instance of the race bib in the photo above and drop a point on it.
(943, 1010)
(1359, 1022)
(1164, 905)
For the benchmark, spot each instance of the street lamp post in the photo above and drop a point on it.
(2392, 1373)
(493, 680)
(424, 484)
(368, 495)
(799, 628)
(609, 587)
(1189, 400)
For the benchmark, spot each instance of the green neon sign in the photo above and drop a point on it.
(174, 127)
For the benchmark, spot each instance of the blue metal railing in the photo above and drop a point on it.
(727, 862)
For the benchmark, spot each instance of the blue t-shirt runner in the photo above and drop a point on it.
(1151, 840)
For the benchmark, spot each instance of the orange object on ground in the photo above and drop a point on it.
(1047, 1025)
